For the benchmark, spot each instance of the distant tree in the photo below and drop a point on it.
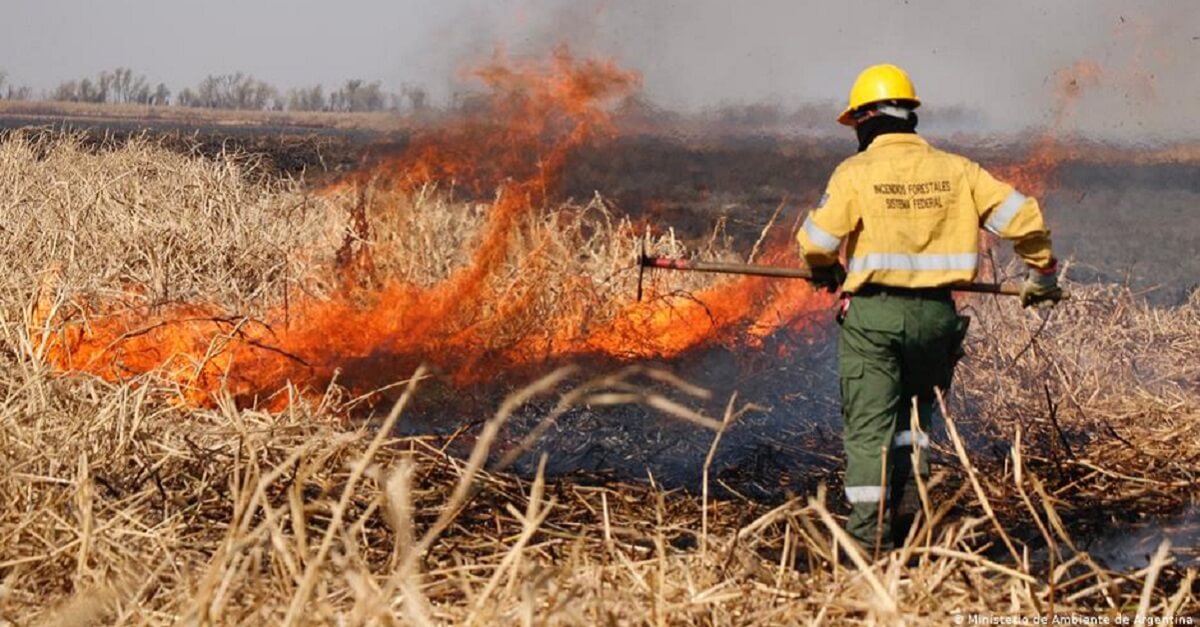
(118, 86)
(13, 92)
(128, 88)
(96, 92)
(66, 91)
(8, 91)
(231, 91)
(122, 84)
(358, 95)
(187, 98)
(161, 96)
(211, 93)
(92, 92)
(417, 97)
(307, 99)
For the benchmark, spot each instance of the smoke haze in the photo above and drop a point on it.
(1014, 62)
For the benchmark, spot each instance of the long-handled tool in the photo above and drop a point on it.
(669, 263)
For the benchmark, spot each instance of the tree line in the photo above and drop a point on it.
(225, 91)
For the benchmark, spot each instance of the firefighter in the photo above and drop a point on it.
(908, 216)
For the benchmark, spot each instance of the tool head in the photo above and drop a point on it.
(641, 262)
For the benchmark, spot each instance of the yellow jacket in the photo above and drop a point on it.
(910, 215)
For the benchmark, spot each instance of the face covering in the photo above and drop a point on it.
(868, 130)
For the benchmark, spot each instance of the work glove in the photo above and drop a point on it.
(829, 278)
(1040, 288)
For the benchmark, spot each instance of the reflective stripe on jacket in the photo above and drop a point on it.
(909, 215)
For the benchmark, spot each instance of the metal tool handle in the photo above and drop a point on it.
(721, 267)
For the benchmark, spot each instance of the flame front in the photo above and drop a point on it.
(471, 325)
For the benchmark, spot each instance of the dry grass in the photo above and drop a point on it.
(123, 508)
(43, 111)
(170, 227)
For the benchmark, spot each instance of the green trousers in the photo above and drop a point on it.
(893, 347)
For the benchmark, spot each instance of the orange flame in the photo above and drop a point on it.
(368, 337)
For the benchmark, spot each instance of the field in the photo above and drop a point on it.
(410, 384)
(17, 112)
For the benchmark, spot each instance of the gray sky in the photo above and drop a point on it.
(1000, 56)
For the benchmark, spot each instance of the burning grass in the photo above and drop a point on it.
(507, 285)
(162, 466)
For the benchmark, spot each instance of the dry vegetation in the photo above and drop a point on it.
(122, 506)
(81, 112)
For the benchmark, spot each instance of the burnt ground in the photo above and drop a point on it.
(1114, 222)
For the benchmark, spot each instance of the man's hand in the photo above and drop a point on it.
(829, 278)
(1040, 288)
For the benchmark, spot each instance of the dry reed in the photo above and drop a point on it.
(123, 508)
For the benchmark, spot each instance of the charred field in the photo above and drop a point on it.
(263, 376)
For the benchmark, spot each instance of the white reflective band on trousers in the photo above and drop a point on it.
(863, 493)
(820, 236)
(905, 438)
(1003, 215)
(918, 263)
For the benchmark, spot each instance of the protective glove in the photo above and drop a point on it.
(829, 278)
(1040, 288)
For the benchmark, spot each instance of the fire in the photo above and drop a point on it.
(473, 325)
(1135, 79)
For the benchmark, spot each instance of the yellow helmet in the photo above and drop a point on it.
(878, 83)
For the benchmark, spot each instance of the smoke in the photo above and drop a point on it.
(1003, 63)
(995, 64)
(1131, 548)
